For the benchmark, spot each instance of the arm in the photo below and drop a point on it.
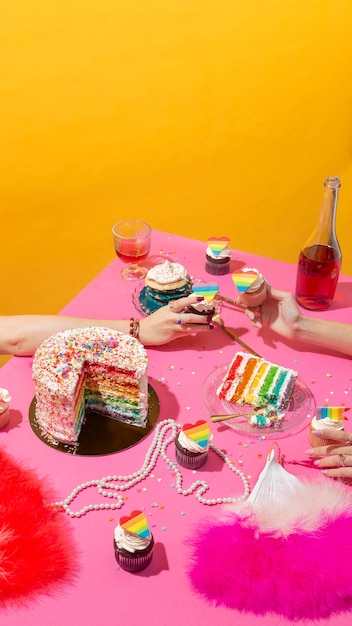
(280, 313)
(20, 335)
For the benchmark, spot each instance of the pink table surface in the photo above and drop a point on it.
(161, 594)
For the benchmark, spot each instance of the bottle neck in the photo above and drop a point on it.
(325, 229)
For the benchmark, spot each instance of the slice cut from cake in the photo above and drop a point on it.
(255, 381)
(89, 369)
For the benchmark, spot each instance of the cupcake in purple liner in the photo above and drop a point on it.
(218, 256)
(192, 445)
(133, 542)
(5, 400)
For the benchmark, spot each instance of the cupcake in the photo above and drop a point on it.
(251, 285)
(205, 306)
(5, 400)
(192, 445)
(218, 256)
(164, 282)
(133, 542)
(202, 308)
(331, 418)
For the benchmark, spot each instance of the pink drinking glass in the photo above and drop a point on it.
(132, 245)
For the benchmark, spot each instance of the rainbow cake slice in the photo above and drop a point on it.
(253, 380)
(89, 369)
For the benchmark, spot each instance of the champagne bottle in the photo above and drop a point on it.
(320, 259)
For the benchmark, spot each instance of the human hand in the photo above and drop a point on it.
(336, 458)
(279, 312)
(170, 322)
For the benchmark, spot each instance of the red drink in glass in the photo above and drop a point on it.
(317, 275)
(131, 251)
(132, 244)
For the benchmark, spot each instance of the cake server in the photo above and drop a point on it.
(239, 307)
(217, 319)
(227, 416)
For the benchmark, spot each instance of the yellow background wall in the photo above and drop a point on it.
(232, 111)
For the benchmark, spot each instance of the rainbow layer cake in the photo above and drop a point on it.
(89, 369)
(266, 386)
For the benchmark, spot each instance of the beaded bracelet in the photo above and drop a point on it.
(134, 327)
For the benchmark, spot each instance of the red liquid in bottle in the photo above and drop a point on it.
(317, 275)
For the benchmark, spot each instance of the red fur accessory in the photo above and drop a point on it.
(286, 550)
(37, 553)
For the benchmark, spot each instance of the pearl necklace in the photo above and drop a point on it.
(109, 486)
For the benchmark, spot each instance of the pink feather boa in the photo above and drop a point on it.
(305, 575)
(290, 555)
(37, 553)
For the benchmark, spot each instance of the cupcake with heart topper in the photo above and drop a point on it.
(218, 256)
(207, 306)
(251, 286)
(133, 542)
(192, 444)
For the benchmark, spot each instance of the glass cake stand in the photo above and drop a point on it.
(298, 414)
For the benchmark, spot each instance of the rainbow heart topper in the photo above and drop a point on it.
(207, 290)
(335, 413)
(136, 523)
(217, 244)
(243, 280)
(198, 432)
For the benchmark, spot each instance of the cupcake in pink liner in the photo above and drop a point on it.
(326, 418)
(192, 445)
(133, 542)
(251, 285)
(5, 400)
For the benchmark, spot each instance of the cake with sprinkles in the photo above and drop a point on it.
(192, 445)
(89, 369)
(164, 282)
(133, 542)
(266, 386)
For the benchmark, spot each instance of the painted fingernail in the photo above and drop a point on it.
(249, 314)
(324, 471)
(199, 299)
(317, 462)
(310, 451)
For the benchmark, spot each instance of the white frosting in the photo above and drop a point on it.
(224, 254)
(129, 541)
(5, 400)
(257, 283)
(190, 445)
(167, 272)
(327, 422)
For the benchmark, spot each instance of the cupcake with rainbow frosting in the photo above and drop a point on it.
(251, 286)
(192, 445)
(326, 418)
(133, 542)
